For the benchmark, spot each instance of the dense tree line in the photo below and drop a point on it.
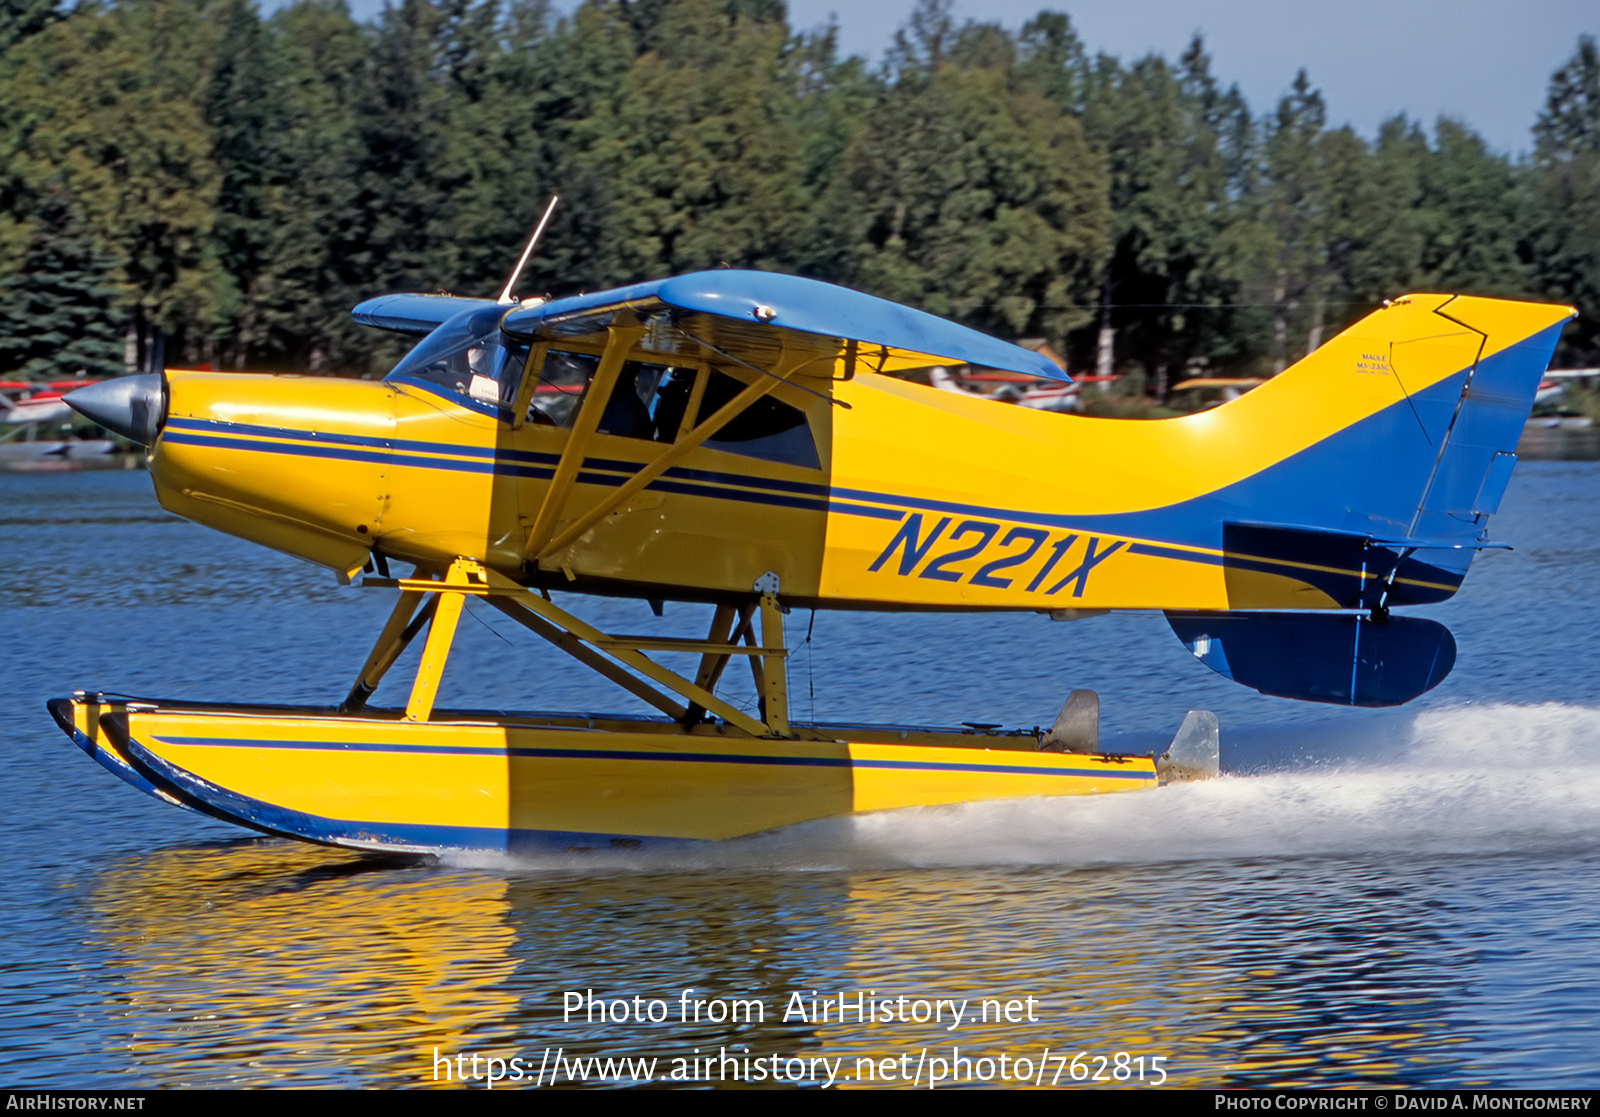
(189, 174)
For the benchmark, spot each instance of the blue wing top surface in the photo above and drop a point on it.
(752, 304)
(413, 313)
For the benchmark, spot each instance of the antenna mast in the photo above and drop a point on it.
(505, 296)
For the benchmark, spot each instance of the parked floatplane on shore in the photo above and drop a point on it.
(738, 439)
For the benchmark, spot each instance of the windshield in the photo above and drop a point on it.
(470, 356)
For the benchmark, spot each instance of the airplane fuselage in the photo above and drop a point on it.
(881, 493)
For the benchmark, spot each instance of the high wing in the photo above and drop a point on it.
(748, 315)
(414, 313)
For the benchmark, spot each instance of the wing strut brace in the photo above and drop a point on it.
(619, 658)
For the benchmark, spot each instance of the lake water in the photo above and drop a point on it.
(1379, 898)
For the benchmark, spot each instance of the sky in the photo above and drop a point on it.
(1484, 62)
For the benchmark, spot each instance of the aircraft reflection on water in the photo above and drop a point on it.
(246, 964)
(737, 438)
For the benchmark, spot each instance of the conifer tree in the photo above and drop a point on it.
(700, 152)
(243, 182)
(60, 308)
(1293, 199)
(1171, 276)
(1564, 243)
(1570, 123)
(405, 179)
(972, 196)
(21, 18)
(1474, 217)
(242, 100)
(317, 267)
(103, 106)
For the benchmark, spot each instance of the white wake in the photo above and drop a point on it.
(1467, 781)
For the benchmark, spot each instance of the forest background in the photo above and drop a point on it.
(187, 177)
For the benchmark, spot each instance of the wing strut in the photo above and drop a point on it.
(590, 410)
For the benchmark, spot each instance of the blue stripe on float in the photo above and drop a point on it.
(1137, 777)
(629, 754)
(113, 764)
(257, 814)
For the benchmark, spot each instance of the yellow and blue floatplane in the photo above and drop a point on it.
(741, 439)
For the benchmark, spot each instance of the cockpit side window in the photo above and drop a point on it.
(562, 380)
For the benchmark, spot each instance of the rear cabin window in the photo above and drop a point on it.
(649, 401)
(768, 429)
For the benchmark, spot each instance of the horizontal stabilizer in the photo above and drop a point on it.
(1355, 570)
(1340, 659)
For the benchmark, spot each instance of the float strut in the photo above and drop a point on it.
(458, 581)
(712, 663)
(398, 632)
(772, 680)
